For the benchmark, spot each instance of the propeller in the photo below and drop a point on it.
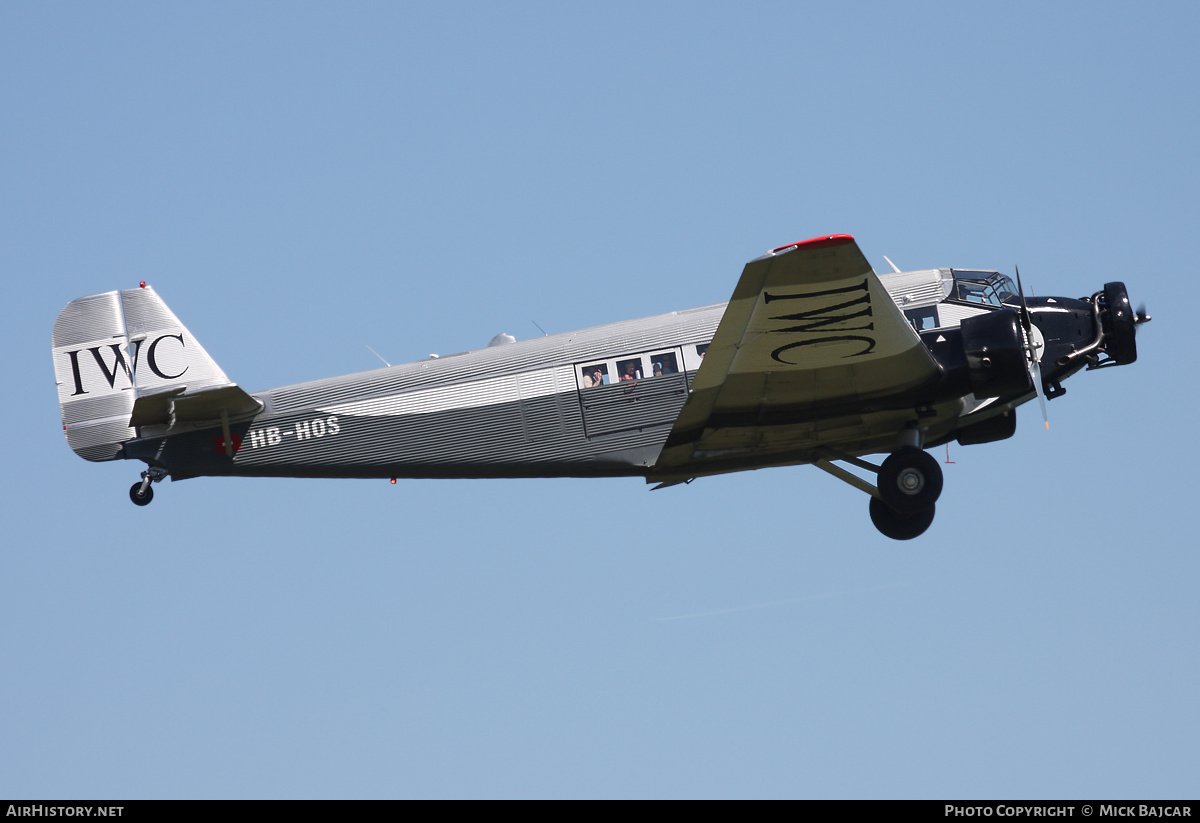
(1033, 343)
(1141, 317)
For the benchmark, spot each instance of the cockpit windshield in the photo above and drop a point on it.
(987, 288)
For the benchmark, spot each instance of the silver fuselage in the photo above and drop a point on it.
(521, 409)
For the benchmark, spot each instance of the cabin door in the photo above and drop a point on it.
(634, 392)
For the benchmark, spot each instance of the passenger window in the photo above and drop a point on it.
(663, 364)
(592, 376)
(923, 319)
(629, 370)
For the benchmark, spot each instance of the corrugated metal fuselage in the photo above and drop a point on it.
(815, 359)
(514, 410)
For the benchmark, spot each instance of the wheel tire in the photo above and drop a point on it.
(135, 494)
(910, 481)
(1122, 342)
(900, 526)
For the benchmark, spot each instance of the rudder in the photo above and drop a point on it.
(110, 349)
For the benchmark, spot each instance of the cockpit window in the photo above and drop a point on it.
(973, 292)
(987, 288)
(1006, 289)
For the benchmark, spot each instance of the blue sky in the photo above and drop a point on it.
(299, 181)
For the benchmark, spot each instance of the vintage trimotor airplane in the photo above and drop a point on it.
(815, 359)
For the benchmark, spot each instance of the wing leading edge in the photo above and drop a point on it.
(809, 335)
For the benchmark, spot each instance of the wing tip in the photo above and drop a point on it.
(825, 241)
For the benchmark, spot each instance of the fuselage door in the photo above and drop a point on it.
(632, 391)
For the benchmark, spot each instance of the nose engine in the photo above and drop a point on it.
(1091, 333)
(1120, 324)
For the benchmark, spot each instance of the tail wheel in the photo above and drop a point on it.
(900, 526)
(910, 481)
(139, 497)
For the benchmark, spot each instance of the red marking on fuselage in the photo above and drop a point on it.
(219, 443)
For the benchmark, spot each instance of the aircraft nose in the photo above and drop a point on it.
(1121, 324)
(1095, 332)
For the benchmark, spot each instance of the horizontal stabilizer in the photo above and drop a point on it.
(180, 406)
(209, 403)
(154, 408)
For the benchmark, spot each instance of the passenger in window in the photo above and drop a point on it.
(593, 377)
(667, 363)
(658, 372)
(629, 372)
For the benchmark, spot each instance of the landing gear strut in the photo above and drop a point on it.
(140, 492)
(907, 487)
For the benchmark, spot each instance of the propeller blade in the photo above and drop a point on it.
(1141, 316)
(1025, 319)
(1036, 372)
(1033, 342)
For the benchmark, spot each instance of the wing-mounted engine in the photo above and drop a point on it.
(995, 354)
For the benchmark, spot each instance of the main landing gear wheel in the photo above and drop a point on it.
(140, 497)
(910, 482)
(900, 526)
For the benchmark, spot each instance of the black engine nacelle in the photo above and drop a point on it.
(1000, 427)
(995, 350)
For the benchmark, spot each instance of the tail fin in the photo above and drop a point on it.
(117, 351)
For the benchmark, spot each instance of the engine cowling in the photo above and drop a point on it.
(1120, 324)
(995, 349)
(1000, 427)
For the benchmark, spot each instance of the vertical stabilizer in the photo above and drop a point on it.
(109, 349)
